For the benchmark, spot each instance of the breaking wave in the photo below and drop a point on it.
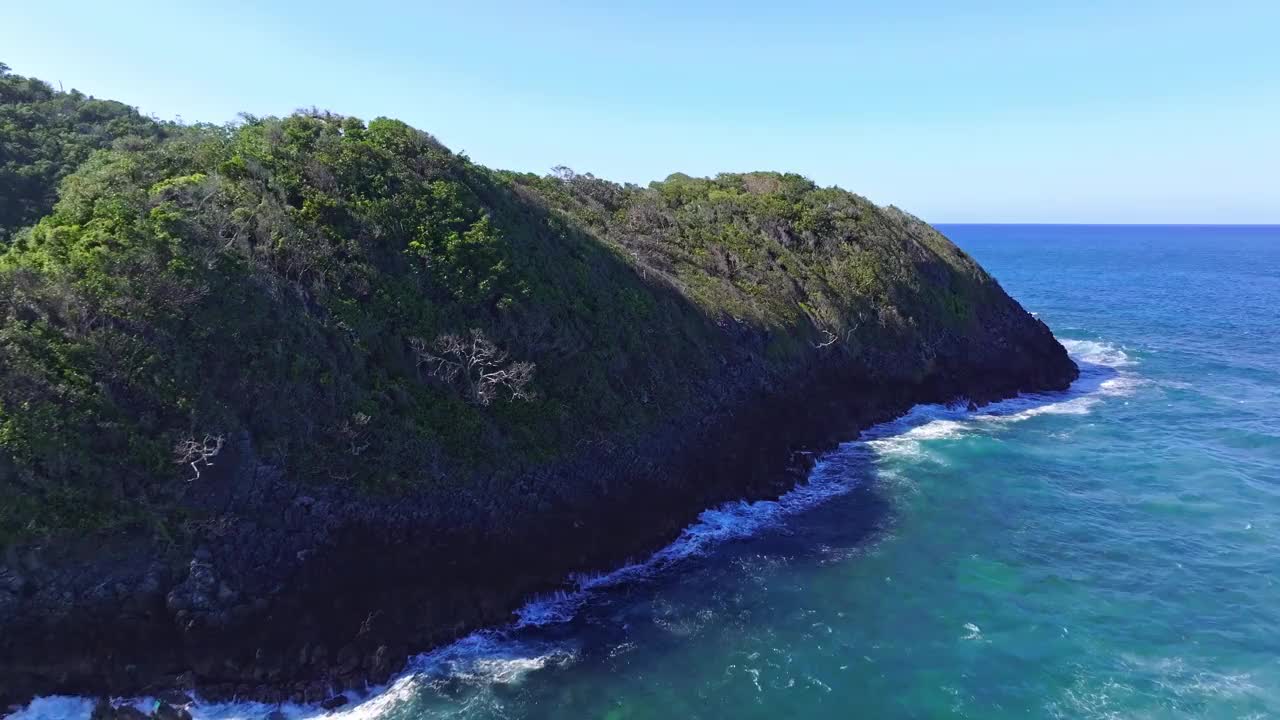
(1103, 374)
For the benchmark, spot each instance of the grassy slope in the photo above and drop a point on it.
(269, 277)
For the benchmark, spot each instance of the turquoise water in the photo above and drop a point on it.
(1110, 552)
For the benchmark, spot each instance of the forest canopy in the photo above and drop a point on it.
(45, 134)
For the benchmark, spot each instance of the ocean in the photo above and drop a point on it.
(1112, 551)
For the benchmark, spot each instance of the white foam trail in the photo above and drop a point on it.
(488, 658)
(730, 521)
(481, 659)
(1102, 375)
(498, 657)
(1097, 352)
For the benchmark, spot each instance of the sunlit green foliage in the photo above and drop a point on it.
(44, 135)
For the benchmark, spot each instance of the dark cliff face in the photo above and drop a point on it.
(301, 590)
(245, 462)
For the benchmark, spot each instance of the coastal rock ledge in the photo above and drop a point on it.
(242, 453)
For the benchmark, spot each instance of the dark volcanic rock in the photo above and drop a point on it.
(334, 702)
(102, 710)
(129, 712)
(165, 711)
(174, 697)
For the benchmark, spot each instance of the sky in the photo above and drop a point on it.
(1029, 111)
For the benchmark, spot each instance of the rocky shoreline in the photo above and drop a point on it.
(300, 593)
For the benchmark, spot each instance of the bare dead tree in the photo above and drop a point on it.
(484, 370)
(355, 432)
(189, 451)
(831, 338)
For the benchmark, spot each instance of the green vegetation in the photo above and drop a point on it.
(313, 282)
(44, 135)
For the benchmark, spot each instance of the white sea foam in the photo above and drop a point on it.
(501, 657)
(480, 659)
(55, 707)
(1100, 697)
(1103, 375)
(491, 657)
(1097, 352)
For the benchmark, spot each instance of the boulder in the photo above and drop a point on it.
(165, 711)
(102, 710)
(129, 712)
(176, 698)
(334, 702)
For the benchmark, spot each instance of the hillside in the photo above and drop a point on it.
(45, 135)
(239, 363)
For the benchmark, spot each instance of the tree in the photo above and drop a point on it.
(478, 364)
(189, 451)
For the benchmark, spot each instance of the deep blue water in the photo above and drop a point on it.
(1110, 552)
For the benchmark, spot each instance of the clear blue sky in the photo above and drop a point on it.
(1119, 111)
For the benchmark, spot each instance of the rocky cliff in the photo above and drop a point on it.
(283, 402)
